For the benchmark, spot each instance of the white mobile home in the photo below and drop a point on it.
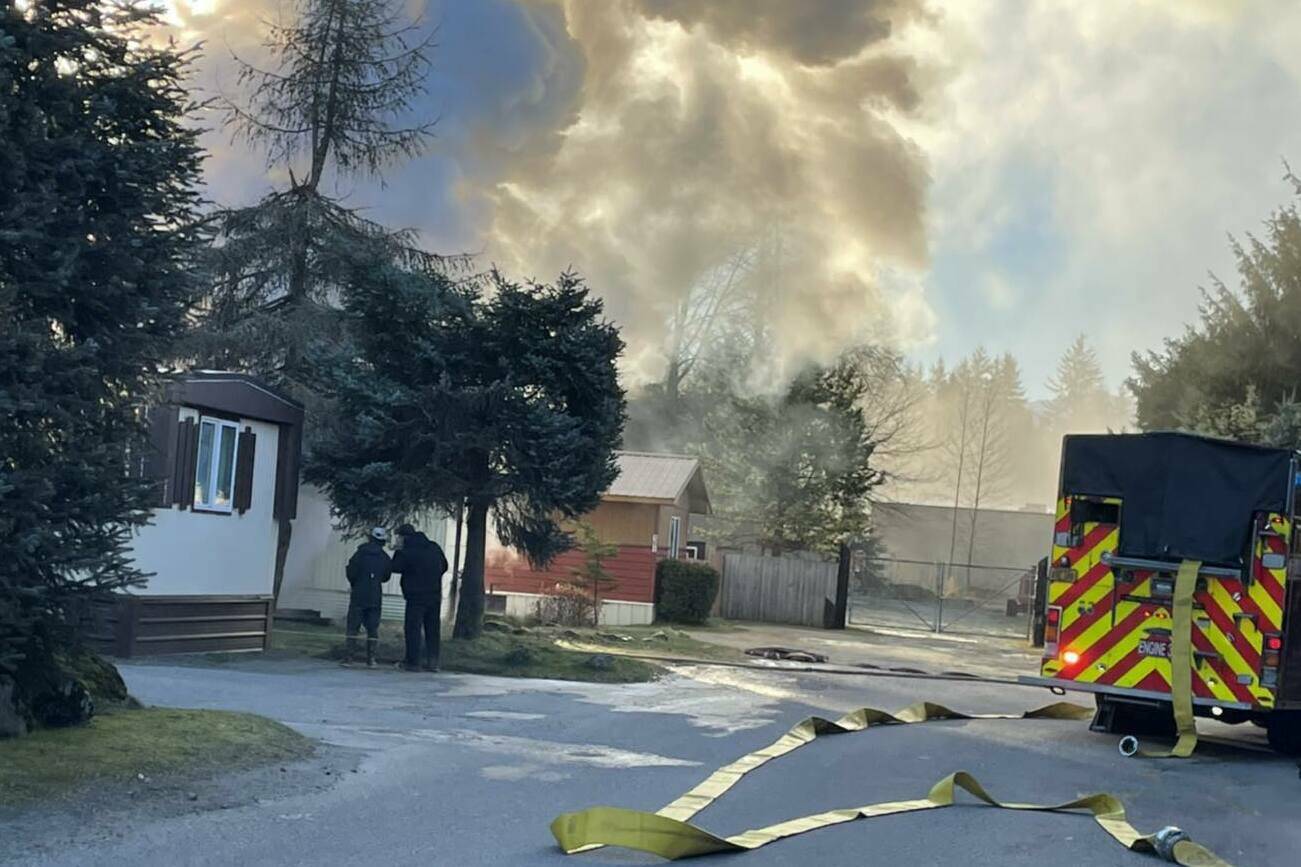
(225, 456)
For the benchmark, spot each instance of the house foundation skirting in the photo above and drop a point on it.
(155, 625)
(614, 612)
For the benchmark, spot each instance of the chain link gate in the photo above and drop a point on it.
(968, 598)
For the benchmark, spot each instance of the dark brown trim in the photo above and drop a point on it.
(237, 397)
(228, 397)
(238, 394)
(241, 498)
(161, 457)
(214, 414)
(146, 625)
(206, 510)
(186, 463)
(289, 450)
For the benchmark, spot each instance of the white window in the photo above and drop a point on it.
(214, 475)
(675, 536)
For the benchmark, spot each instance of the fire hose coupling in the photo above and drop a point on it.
(1165, 840)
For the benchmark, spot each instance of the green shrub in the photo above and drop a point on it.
(684, 591)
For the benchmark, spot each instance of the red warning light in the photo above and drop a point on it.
(1273, 642)
(1070, 657)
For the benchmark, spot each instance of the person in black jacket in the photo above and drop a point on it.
(422, 565)
(367, 571)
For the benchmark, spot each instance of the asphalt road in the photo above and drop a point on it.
(465, 770)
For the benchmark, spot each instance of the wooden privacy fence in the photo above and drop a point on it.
(778, 590)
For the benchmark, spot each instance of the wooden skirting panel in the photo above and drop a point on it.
(155, 625)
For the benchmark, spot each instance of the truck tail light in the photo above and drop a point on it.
(1052, 626)
(1269, 660)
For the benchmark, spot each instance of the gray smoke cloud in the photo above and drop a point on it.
(680, 133)
(651, 141)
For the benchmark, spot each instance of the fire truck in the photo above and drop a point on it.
(1130, 509)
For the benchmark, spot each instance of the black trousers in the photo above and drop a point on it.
(422, 616)
(367, 617)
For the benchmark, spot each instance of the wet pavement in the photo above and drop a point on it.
(464, 770)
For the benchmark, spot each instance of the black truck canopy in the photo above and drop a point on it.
(1185, 497)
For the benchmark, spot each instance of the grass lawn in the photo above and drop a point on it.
(121, 744)
(509, 650)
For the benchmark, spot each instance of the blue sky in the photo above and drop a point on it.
(1026, 171)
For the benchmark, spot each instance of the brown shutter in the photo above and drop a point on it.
(186, 463)
(288, 452)
(244, 470)
(161, 457)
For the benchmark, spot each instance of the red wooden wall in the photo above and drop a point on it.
(633, 570)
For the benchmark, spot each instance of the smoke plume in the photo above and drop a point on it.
(691, 130)
(650, 143)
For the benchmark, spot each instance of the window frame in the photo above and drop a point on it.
(675, 536)
(214, 464)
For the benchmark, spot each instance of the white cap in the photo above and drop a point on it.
(379, 534)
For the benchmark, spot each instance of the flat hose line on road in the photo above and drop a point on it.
(668, 833)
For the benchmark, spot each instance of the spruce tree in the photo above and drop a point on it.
(336, 105)
(506, 399)
(1243, 348)
(796, 471)
(1080, 400)
(97, 212)
(591, 579)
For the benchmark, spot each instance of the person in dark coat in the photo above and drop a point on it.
(422, 564)
(367, 571)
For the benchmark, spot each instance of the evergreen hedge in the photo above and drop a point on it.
(685, 591)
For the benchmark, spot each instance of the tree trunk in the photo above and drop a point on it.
(456, 564)
(957, 486)
(469, 613)
(284, 533)
(980, 477)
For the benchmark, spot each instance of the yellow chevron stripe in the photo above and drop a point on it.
(1117, 652)
(1126, 607)
(1230, 654)
(1218, 687)
(1086, 562)
(1092, 596)
(1232, 650)
(1268, 607)
(1135, 675)
(1224, 599)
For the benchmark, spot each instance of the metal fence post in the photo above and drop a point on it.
(940, 569)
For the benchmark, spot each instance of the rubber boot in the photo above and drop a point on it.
(370, 651)
(349, 650)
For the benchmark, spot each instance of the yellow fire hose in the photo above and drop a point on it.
(668, 833)
(1181, 671)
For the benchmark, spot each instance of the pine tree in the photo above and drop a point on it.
(1080, 402)
(591, 578)
(796, 471)
(1245, 340)
(335, 105)
(507, 400)
(99, 175)
(347, 73)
